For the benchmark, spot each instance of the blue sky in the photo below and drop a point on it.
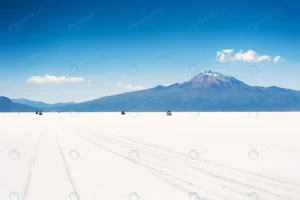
(91, 49)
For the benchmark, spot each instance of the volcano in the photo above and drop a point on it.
(208, 91)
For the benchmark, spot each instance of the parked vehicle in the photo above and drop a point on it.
(169, 113)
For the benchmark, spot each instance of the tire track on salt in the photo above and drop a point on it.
(162, 164)
(245, 185)
(31, 167)
(207, 161)
(154, 169)
(67, 170)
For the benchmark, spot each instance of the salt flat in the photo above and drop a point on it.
(89, 156)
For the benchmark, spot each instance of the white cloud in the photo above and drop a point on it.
(54, 79)
(221, 56)
(278, 59)
(120, 84)
(89, 81)
(263, 58)
(137, 87)
(130, 87)
(248, 56)
(224, 55)
(228, 51)
(227, 55)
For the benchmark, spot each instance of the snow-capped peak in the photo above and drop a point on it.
(207, 75)
(208, 78)
(210, 73)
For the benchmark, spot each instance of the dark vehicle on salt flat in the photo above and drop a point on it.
(169, 113)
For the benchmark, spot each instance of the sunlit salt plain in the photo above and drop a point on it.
(150, 156)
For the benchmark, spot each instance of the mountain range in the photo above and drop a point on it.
(208, 91)
(40, 104)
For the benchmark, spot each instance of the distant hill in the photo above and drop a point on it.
(208, 91)
(39, 104)
(7, 105)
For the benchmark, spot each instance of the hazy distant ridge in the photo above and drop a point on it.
(39, 104)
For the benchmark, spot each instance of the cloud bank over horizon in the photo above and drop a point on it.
(54, 79)
(130, 86)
